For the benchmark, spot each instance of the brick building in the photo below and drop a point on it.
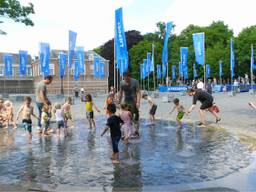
(86, 80)
(16, 84)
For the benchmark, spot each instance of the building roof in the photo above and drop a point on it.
(16, 57)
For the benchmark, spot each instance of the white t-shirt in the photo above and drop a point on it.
(59, 115)
(200, 85)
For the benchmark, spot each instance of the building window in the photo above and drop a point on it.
(52, 69)
(30, 71)
(16, 71)
(91, 69)
(1, 71)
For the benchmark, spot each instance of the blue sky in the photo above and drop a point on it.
(93, 20)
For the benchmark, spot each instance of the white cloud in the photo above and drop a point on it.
(238, 14)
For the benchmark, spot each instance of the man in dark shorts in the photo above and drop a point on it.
(130, 94)
(207, 104)
(42, 99)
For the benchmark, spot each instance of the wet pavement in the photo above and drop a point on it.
(162, 157)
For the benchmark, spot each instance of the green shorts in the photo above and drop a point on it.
(180, 115)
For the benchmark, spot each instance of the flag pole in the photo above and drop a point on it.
(154, 77)
(115, 57)
(220, 73)
(252, 82)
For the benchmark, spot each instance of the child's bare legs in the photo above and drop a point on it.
(115, 158)
(65, 130)
(179, 123)
(90, 122)
(93, 123)
(29, 137)
(58, 132)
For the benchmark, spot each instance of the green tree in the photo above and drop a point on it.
(12, 9)
(243, 42)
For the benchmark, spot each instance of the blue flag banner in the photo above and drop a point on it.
(198, 41)
(220, 69)
(165, 48)
(62, 62)
(96, 64)
(71, 47)
(194, 71)
(184, 60)
(120, 43)
(164, 71)
(77, 71)
(8, 65)
(102, 70)
(253, 66)
(181, 70)
(208, 71)
(45, 58)
(146, 67)
(149, 61)
(152, 66)
(232, 58)
(23, 62)
(141, 71)
(81, 58)
(173, 72)
(159, 74)
(144, 71)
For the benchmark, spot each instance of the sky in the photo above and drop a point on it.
(93, 20)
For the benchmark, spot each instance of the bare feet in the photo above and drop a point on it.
(115, 161)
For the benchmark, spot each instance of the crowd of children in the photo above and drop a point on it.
(121, 124)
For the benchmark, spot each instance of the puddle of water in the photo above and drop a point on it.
(162, 156)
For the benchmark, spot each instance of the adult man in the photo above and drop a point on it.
(207, 104)
(42, 99)
(130, 94)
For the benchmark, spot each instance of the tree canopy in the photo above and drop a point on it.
(217, 48)
(12, 9)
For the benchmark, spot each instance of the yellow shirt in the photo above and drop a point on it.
(88, 106)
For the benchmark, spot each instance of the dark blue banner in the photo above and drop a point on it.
(149, 62)
(220, 69)
(77, 71)
(141, 71)
(102, 69)
(165, 48)
(45, 58)
(96, 64)
(63, 64)
(164, 71)
(152, 66)
(159, 74)
(181, 70)
(146, 67)
(80, 56)
(184, 61)
(253, 66)
(8, 65)
(232, 58)
(198, 41)
(23, 62)
(173, 72)
(194, 71)
(71, 45)
(120, 43)
(208, 71)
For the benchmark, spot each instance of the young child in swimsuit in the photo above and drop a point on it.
(27, 110)
(180, 109)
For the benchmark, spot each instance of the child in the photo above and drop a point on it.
(59, 114)
(27, 111)
(89, 110)
(114, 124)
(153, 107)
(67, 111)
(126, 116)
(109, 100)
(3, 115)
(9, 111)
(180, 109)
(45, 119)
